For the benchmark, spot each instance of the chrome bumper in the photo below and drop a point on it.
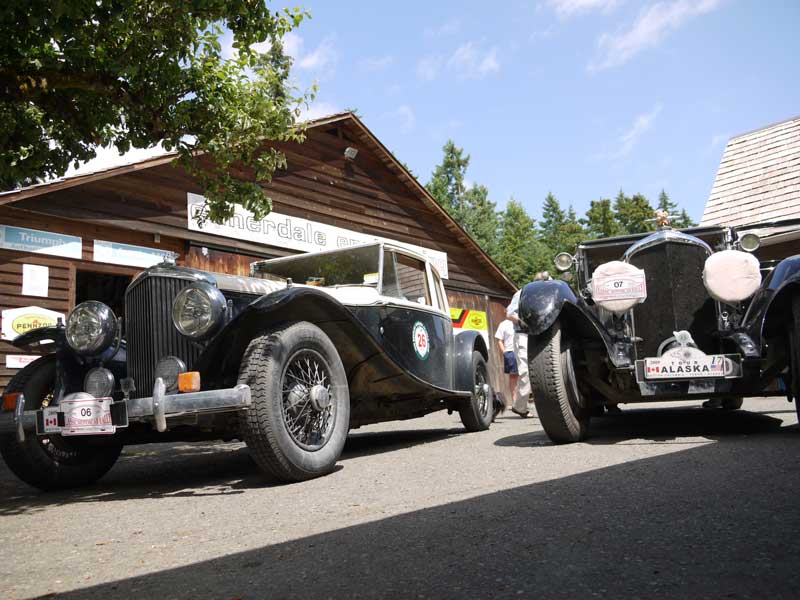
(159, 408)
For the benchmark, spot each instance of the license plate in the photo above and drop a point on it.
(674, 367)
(91, 416)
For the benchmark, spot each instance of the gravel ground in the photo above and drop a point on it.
(667, 502)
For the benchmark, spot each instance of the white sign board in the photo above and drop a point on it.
(19, 361)
(16, 321)
(126, 254)
(295, 233)
(40, 242)
(35, 280)
(630, 286)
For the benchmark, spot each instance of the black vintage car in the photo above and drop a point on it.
(671, 315)
(289, 360)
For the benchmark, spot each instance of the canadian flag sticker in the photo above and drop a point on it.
(51, 419)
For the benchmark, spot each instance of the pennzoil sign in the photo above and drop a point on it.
(17, 321)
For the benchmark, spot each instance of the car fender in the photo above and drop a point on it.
(467, 342)
(542, 303)
(772, 300)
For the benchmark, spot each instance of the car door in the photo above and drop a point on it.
(415, 326)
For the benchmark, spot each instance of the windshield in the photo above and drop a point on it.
(348, 266)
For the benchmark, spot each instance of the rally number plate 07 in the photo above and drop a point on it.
(91, 416)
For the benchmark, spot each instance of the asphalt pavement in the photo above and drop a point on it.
(671, 501)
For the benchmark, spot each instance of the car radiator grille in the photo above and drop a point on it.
(676, 297)
(150, 333)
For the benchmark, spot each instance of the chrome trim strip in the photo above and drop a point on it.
(662, 237)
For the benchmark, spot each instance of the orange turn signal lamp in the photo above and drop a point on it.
(10, 401)
(189, 381)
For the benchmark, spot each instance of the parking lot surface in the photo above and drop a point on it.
(671, 501)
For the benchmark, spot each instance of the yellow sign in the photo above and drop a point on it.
(464, 318)
(29, 322)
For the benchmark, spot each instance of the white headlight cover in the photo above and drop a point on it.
(618, 286)
(731, 275)
(198, 309)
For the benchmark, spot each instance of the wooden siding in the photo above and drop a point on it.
(758, 178)
(495, 312)
(318, 185)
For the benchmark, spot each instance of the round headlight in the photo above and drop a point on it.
(91, 327)
(198, 310)
(749, 242)
(99, 382)
(168, 368)
(564, 261)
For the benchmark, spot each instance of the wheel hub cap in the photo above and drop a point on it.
(320, 397)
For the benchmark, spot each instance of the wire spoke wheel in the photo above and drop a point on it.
(480, 392)
(308, 406)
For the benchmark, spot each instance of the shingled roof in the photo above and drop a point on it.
(758, 178)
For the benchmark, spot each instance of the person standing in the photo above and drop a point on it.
(505, 341)
(522, 391)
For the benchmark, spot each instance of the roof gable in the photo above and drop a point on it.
(758, 178)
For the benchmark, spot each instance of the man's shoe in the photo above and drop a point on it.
(524, 415)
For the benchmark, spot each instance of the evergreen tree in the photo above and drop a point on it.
(551, 226)
(667, 205)
(683, 220)
(518, 252)
(634, 214)
(480, 218)
(600, 220)
(447, 182)
(572, 233)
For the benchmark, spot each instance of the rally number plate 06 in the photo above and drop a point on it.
(673, 367)
(91, 416)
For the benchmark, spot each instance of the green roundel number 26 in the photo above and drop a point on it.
(421, 340)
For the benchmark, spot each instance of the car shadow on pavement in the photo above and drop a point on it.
(196, 469)
(714, 521)
(660, 425)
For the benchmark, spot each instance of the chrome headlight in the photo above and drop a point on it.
(91, 327)
(99, 382)
(198, 310)
(564, 261)
(749, 242)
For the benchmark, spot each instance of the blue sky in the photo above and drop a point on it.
(577, 97)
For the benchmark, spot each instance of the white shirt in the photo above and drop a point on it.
(505, 333)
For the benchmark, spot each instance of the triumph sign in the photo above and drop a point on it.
(294, 232)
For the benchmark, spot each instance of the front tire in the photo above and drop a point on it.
(555, 387)
(52, 462)
(477, 414)
(794, 354)
(297, 424)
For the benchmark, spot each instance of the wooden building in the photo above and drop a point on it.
(85, 236)
(758, 181)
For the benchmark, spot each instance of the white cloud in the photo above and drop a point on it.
(109, 157)
(324, 56)
(470, 61)
(652, 25)
(543, 34)
(292, 44)
(719, 138)
(375, 64)
(428, 67)
(449, 27)
(405, 116)
(318, 110)
(630, 138)
(570, 8)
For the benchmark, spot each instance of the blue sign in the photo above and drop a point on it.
(40, 242)
(126, 254)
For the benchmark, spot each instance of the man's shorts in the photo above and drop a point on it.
(510, 363)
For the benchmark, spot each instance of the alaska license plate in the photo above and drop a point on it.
(674, 367)
(91, 416)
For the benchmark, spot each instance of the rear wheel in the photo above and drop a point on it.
(297, 425)
(732, 403)
(477, 415)
(52, 462)
(555, 387)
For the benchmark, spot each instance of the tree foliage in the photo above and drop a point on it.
(633, 213)
(447, 182)
(519, 253)
(78, 74)
(600, 221)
